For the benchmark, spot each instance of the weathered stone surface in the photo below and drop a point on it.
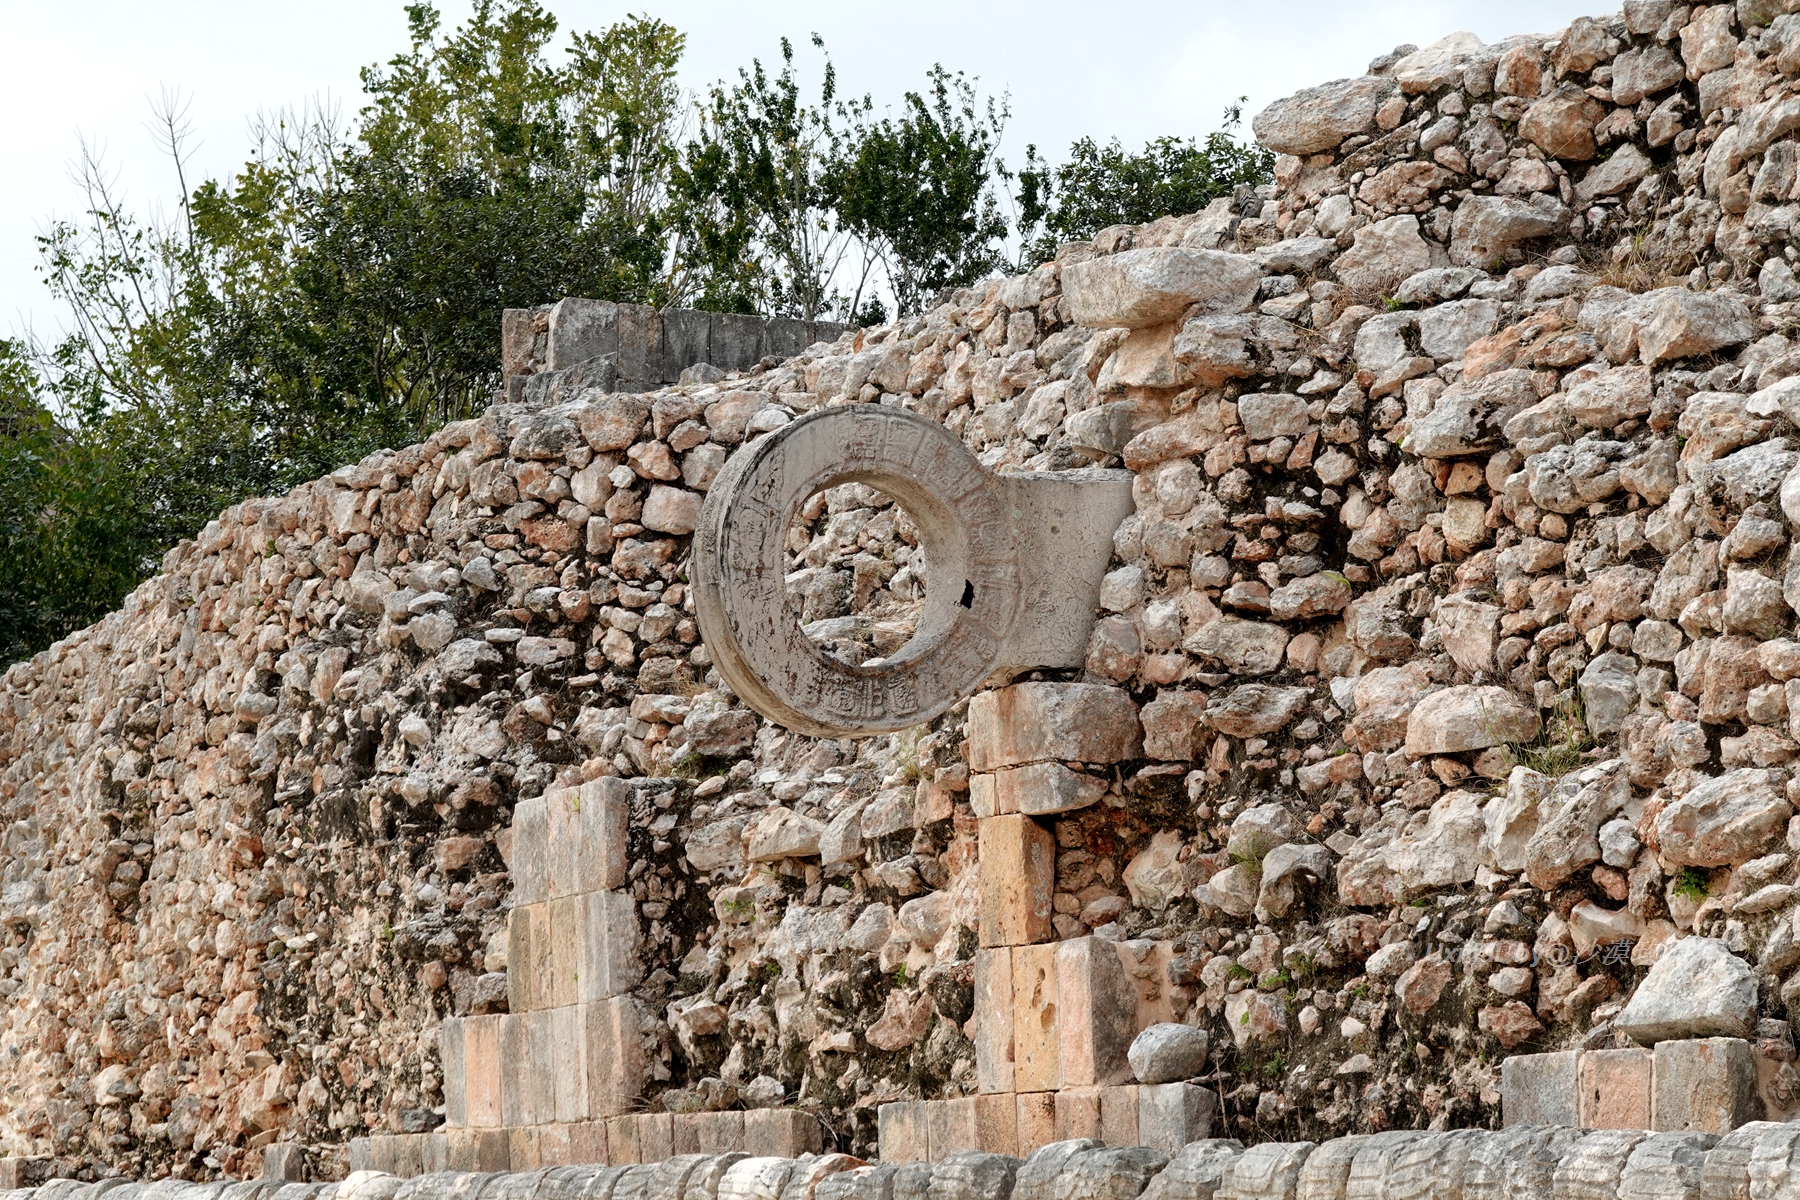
(1255, 708)
(1706, 1084)
(1241, 647)
(1724, 821)
(1470, 416)
(1696, 989)
(1385, 253)
(1468, 718)
(1036, 722)
(1196, 1172)
(1319, 118)
(1486, 227)
(1141, 288)
(1562, 124)
(1166, 1053)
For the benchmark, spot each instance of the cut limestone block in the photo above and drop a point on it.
(1432, 1166)
(520, 977)
(1119, 1116)
(1539, 1089)
(997, 1123)
(719, 1133)
(1170, 1115)
(520, 1073)
(567, 1064)
(1037, 1121)
(284, 1161)
(1036, 1036)
(1726, 1172)
(1048, 722)
(1078, 1114)
(994, 1030)
(401, 1154)
(975, 1174)
(481, 1071)
(1374, 1159)
(1270, 1171)
(609, 962)
(558, 991)
(530, 851)
(1667, 1165)
(950, 1126)
(587, 829)
(1096, 1013)
(901, 1132)
(640, 1138)
(615, 1055)
(1327, 1169)
(485, 1150)
(1039, 790)
(1517, 1161)
(1614, 1088)
(781, 1132)
(1018, 875)
(1775, 1162)
(1708, 1084)
(1592, 1168)
(450, 1057)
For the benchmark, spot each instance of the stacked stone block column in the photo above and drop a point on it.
(1053, 1019)
(568, 1055)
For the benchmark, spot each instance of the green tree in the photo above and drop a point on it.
(1104, 185)
(918, 190)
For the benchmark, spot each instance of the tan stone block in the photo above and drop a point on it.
(610, 940)
(1119, 1115)
(482, 1151)
(720, 1132)
(997, 1123)
(524, 1148)
(1018, 874)
(481, 1071)
(540, 989)
(565, 953)
(601, 833)
(656, 1136)
(587, 1143)
(531, 851)
(950, 1126)
(519, 975)
(901, 1132)
(518, 1080)
(1077, 1113)
(562, 811)
(994, 1020)
(1614, 1088)
(1708, 1084)
(1045, 789)
(1044, 722)
(1096, 1013)
(1036, 1039)
(450, 1055)
(568, 1051)
(1540, 1089)
(1037, 1121)
(553, 1145)
(781, 1133)
(986, 799)
(1170, 1115)
(615, 1056)
(685, 1133)
(398, 1154)
(434, 1156)
(623, 1147)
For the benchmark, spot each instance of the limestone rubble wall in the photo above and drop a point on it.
(1455, 609)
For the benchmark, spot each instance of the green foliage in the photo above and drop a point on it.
(342, 291)
(1691, 884)
(1104, 185)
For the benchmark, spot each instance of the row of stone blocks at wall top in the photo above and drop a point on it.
(1705, 1084)
(1760, 1161)
(1163, 1117)
(648, 347)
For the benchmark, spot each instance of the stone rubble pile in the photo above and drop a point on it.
(1444, 679)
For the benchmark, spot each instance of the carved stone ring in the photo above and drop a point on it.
(1014, 567)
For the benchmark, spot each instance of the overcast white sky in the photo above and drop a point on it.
(1131, 70)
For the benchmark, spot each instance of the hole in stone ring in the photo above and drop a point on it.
(968, 596)
(854, 565)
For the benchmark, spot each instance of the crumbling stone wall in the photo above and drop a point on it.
(1454, 612)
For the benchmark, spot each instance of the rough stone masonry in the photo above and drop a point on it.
(1432, 751)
